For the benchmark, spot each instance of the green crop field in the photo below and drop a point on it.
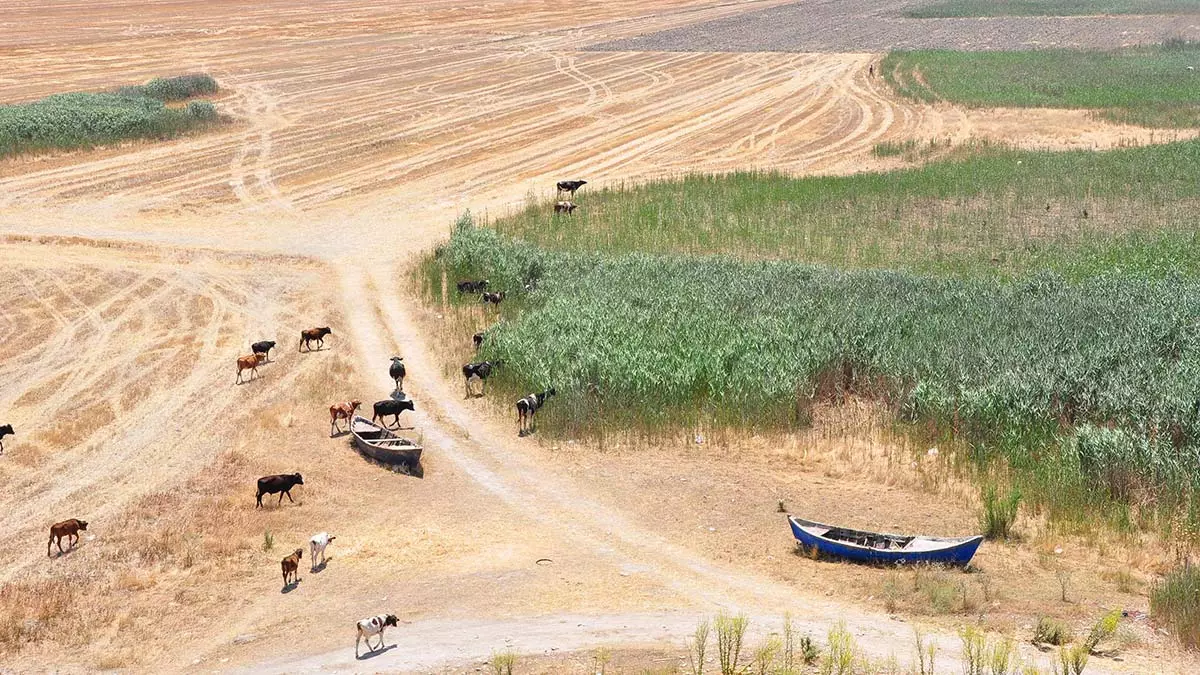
(1149, 86)
(995, 212)
(81, 119)
(978, 8)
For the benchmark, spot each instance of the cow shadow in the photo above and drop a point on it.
(65, 552)
(340, 433)
(321, 568)
(291, 587)
(377, 652)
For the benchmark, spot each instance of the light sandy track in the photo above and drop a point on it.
(362, 129)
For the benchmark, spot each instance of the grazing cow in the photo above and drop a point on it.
(67, 528)
(471, 286)
(477, 340)
(871, 70)
(5, 430)
(570, 186)
(373, 626)
(318, 544)
(291, 566)
(482, 370)
(565, 207)
(529, 405)
(264, 348)
(341, 411)
(282, 483)
(249, 363)
(397, 371)
(494, 298)
(309, 335)
(391, 406)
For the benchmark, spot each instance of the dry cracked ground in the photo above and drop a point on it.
(132, 277)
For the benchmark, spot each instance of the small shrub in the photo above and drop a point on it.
(203, 111)
(926, 651)
(999, 513)
(840, 656)
(268, 541)
(809, 650)
(1175, 601)
(1052, 632)
(601, 658)
(1002, 657)
(1064, 583)
(504, 662)
(731, 630)
(179, 88)
(763, 662)
(699, 648)
(1070, 660)
(1105, 628)
(974, 650)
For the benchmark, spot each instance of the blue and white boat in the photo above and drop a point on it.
(874, 547)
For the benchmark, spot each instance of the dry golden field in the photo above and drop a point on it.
(132, 277)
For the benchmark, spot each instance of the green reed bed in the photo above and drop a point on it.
(82, 119)
(1149, 86)
(1087, 389)
(980, 8)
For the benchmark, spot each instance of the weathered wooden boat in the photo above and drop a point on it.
(875, 547)
(380, 444)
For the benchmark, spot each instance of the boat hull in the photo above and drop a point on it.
(956, 551)
(382, 445)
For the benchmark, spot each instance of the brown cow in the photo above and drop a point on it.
(249, 363)
(67, 528)
(291, 565)
(310, 334)
(341, 411)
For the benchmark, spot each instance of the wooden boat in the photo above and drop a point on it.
(875, 547)
(382, 445)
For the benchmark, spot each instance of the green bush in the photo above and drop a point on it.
(999, 513)
(1175, 601)
(1052, 632)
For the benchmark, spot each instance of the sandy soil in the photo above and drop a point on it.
(134, 276)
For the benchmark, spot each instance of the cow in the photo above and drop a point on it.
(477, 340)
(282, 483)
(472, 286)
(264, 348)
(565, 207)
(341, 411)
(397, 372)
(249, 363)
(391, 406)
(318, 544)
(291, 567)
(570, 186)
(373, 626)
(67, 528)
(308, 335)
(482, 370)
(494, 298)
(5, 430)
(529, 405)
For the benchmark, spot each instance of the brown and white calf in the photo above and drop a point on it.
(341, 411)
(249, 363)
(373, 626)
(67, 528)
(290, 566)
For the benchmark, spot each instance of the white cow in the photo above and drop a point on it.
(318, 544)
(373, 626)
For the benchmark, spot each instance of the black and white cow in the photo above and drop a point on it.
(529, 405)
(482, 370)
(371, 627)
(5, 430)
(397, 371)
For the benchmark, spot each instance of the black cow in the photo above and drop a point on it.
(529, 405)
(263, 348)
(5, 430)
(310, 334)
(482, 370)
(477, 339)
(397, 371)
(391, 407)
(472, 286)
(570, 186)
(283, 484)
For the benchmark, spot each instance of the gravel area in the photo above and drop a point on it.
(866, 26)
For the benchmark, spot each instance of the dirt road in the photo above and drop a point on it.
(134, 276)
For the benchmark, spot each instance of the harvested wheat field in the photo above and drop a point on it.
(136, 272)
